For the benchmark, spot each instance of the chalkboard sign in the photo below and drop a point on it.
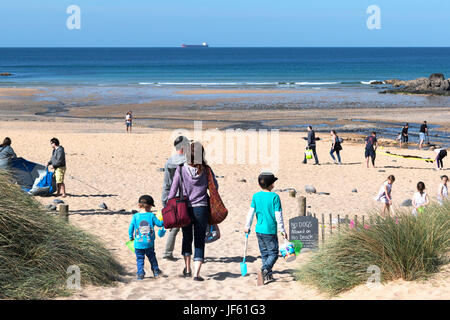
(305, 229)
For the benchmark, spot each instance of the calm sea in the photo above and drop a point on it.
(231, 67)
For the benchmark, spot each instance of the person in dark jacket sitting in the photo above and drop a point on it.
(6, 153)
(58, 162)
(312, 144)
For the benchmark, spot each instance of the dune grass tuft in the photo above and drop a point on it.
(37, 248)
(402, 247)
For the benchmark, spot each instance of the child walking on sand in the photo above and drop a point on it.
(269, 218)
(142, 231)
(384, 195)
(420, 199)
(443, 190)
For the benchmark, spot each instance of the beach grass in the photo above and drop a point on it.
(37, 248)
(402, 247)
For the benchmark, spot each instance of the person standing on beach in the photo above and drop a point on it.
(129, 120)
(181, 145)
(371, 147)
(420, 199)
(58, 162)
(441, 154)
(6, 153)
(195, 187)
(384, 195)
(312, 145)
(266, 205)
(335, 147)
(443, 190)
(422, 133)
(142, 231)
(404, 135)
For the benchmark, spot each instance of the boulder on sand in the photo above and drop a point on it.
(310, 189)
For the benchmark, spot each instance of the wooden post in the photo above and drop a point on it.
(346, 219)
(301, 206)
(64, 212)
(323, 228)
(363, 221)
(339, 225)
(331, 224)
(356, 220)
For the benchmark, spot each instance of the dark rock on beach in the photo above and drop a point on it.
(355, 190)
(58, 201)
(310, 189)
(407, 203)
(103, 205)
(241, 180)
(435, 84)
(51, 207)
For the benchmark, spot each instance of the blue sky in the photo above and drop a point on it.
(224, 23)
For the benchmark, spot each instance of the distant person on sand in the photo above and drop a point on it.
(58, 162)
(384, 195)
(404, 135)
(266, 205)
(371, 147)
(420, 199)
(181, 145)
(195, 187)
(142, 231)
(129, 120)
(443, 190)
(441, 154)
(312, 144)
(6, 153)
(335, 147)
(422, 133)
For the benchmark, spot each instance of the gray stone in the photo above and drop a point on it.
(51, 207)
(355, 190)
(58, 201)
(310, 189)
(241, 180)
(103, 205)
(407, 203)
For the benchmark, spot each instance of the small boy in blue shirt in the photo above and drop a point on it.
(142, 231)
(266, 205)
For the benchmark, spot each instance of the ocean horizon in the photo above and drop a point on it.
(289, 67)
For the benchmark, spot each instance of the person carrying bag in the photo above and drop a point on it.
(175, 213)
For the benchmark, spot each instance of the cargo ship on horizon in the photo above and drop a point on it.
(203, 45)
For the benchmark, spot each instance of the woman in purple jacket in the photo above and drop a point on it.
(195, 186)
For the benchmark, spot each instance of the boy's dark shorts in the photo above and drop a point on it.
(370, 153)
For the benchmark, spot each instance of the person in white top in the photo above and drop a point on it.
(443, 190)
(420, 199)
(129, 120)
(384, 195)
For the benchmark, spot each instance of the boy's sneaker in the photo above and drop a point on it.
(140, 277)
(156, 273)
(267, 276)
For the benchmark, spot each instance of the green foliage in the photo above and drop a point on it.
(403, 247)
(36, 248)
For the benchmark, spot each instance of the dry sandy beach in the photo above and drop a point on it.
(104, 164)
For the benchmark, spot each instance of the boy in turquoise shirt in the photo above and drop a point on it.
(266, 205)
(142, 231)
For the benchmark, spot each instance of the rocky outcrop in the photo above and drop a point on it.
(435, 84)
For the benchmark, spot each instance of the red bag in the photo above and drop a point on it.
(175, 213)
(217, 209)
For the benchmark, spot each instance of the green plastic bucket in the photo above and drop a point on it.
(298, 245)
(130, 245)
